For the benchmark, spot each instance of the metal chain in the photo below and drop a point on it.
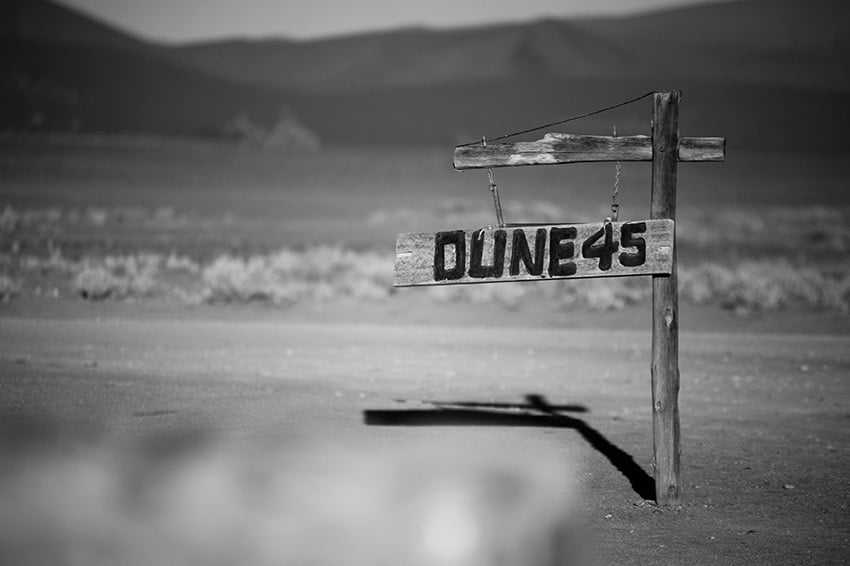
(494, 190)
(615, 206)
(497, 203)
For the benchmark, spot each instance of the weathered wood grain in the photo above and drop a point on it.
(415, 254)
(568, 148)
(665, 307)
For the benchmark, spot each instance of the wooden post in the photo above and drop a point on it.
(665, 305)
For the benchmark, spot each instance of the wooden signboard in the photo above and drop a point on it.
(535, 253)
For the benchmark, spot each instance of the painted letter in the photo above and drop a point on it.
(627, 232)
(476, 269)
(603, 251)
(560, 249)
(457, 239)
(520, 252)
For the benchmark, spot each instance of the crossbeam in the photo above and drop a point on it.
(555, 149)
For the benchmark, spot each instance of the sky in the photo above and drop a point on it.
(190, 20)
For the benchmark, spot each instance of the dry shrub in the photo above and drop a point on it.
(605, 294)
(230, 279)
(96, 283)
(322, 273)
(118, 277)
(766, 285)
(9, 287)
(821, 229)
(327, 273)
(599, 294)
(286, 277)
(9, 220)
(176, 262)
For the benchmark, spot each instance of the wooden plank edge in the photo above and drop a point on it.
(398, 285)
(574, 149)
(702, 149)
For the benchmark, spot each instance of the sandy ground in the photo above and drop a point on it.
(765, 436)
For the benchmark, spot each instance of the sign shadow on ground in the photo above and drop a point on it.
(535, 412)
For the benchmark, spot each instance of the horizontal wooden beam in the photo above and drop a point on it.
(535, 253)
(568, 148)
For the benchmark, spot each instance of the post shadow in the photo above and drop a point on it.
(551, 416)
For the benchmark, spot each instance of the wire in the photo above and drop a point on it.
(564, 121)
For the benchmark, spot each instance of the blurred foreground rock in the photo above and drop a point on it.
(189, 500)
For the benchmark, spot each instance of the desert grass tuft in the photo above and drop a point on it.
(767, 285)
(324, 274)
(9, 287)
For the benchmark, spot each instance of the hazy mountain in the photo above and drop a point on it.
(40, 21)
(61, 71)
(794, 43)
(762, 72)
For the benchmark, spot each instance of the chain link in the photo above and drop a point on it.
(494, 190)
(615, 206)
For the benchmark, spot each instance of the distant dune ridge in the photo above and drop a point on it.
(764, 73)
